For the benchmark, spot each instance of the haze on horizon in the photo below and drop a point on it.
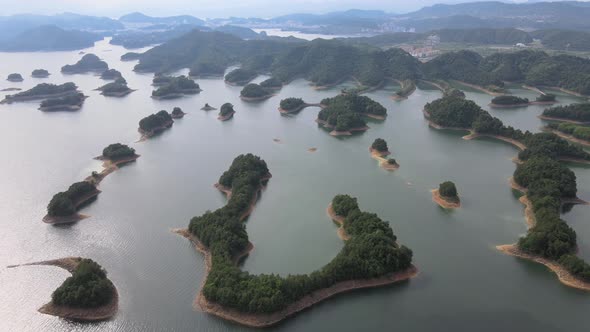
(213, 8)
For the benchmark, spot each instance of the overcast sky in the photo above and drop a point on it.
(208, 8)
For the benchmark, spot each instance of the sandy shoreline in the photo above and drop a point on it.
(104, 312)
(179, 94)
(442, 202)
(567, 136)
(298, 109)
(339, 220)
(383, 162)
(550, 118)
(480, 88)
(474, 135)
(73, 217)
(226, 117)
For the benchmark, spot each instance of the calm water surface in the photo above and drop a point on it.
(464, 284)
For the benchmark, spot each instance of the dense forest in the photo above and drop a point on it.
(88, 63)
(574, 130)
(177, 112)
(290, 104)
(65, 203)
(76, 99)
(546, 97)
(155, 121)
(252, 90)
(575, 112)
(111, 74)
(240, 76)
(117, 87)
(117, 151)
(271, 83)
(346, 111)
(45, 89)
(506, 100)
(176, 85)
(40, 73)
(380, 145)
(88, 287)
(14, 77)
(448, 190)
(226, 110)
(372, 250)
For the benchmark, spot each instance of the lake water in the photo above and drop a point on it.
(298, 34)
(464, 283)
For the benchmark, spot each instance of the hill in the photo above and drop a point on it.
(49, 38)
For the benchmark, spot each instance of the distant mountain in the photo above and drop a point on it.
(170, 20)
(241, 32)
(10, 26)
(49, 38)
(353, 17)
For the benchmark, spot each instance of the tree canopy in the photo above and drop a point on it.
(380, 145)
(66, 203)
(155, 121)
(117, 151)
(88, 287)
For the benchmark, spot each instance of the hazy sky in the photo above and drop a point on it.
(208, 8)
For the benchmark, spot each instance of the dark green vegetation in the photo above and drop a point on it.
(66, 203)
(40, 73)
(506, 100)
(175, 87)
(290, 104)
(226, 110)
(111, 74)
(130, 56)
(569, 40)
(117, 88)
(452, 92)
(177, 112)
(552, 146)
(576, 131)
(345, 111)
(546, 98)
(448, 190)
(44, 89)
(505, 36)
(240, 76)
(271, 83)
(575, 112)
(49, 38)
(88, 63)
(407, 87)
(155, 122)
(252, 90)
(391, 161)
(88, 287)
(117, 151)
(379, 145)
(161, 80)
(371, 251)
(14, 77)
(137, 39)
(68, 101)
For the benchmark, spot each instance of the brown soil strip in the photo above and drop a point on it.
(226, 117)
(550, 118)
(383, 162)
(74, 217)
(514, 142)
(442, 202)
(480, 88)
(338, 220)
(567, 137)
(104, 312)
(312, 149)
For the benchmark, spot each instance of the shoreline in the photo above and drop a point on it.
(339, 220)
(56, 108)
(117, 94)
(176, 95)
(109, 166)
(397, 97)
(512, 105)
(474, 135)
(9, 99)
(567, 136)
(442, 202)
(101, 313)
(226, 117)
(56, 220)
(145, 134)
(261, 98)
(480, 88)
(298, 109)
(550, 118)
(210, 108)
(178, 116)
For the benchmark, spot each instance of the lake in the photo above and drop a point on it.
(464, 282)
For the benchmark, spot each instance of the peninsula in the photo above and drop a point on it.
(446, 195)
(154, 124)
(87, 296)
(88, 63)
(255, 92)
(226, 112)
(293, 105)
(571, 132)
(221, 237)
(71, 102)
(407, 88)
(42, 91)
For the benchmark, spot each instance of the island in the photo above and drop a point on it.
(14, 77)
(379, 151)
(453, 92)
(88, 63)
(271, 298)
(294, 105)
(507, 101)
(154, 124)
(177, 113)
(176, 88)
(113, 156)
(160, 80)
(63, 207)
(571, 132)
(344, 113)
(255, 92)
(545, 99)
(573, 113)
(407, 88)
(71, 102)
(87, 296)
(208, 107)
(40, 73)
(240, 76)
(42, 91)
(272, 84)
(111, 74)
(226, 112)
(118, 88)
(446, 196)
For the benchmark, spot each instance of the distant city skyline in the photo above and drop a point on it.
(212, 8)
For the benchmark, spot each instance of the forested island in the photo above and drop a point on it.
(574, 113)
(446, 195)
(15, 77)
(160, 80)
(118, 88)
(379, 150)
(255, 92)
(175, 87)
(42, 91)
(40, 73)
(371, 257)
(344, 113)
(177, 113)
(155, 123)
(64, 205)
(572, 132)
(208, 107)
(292, 105)
(226, 112)
(71, 102)
(272, 84)
(545, 99)
(111, 74)
(507, 101)
(88, 63)
(113, 156)
(240, 76)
